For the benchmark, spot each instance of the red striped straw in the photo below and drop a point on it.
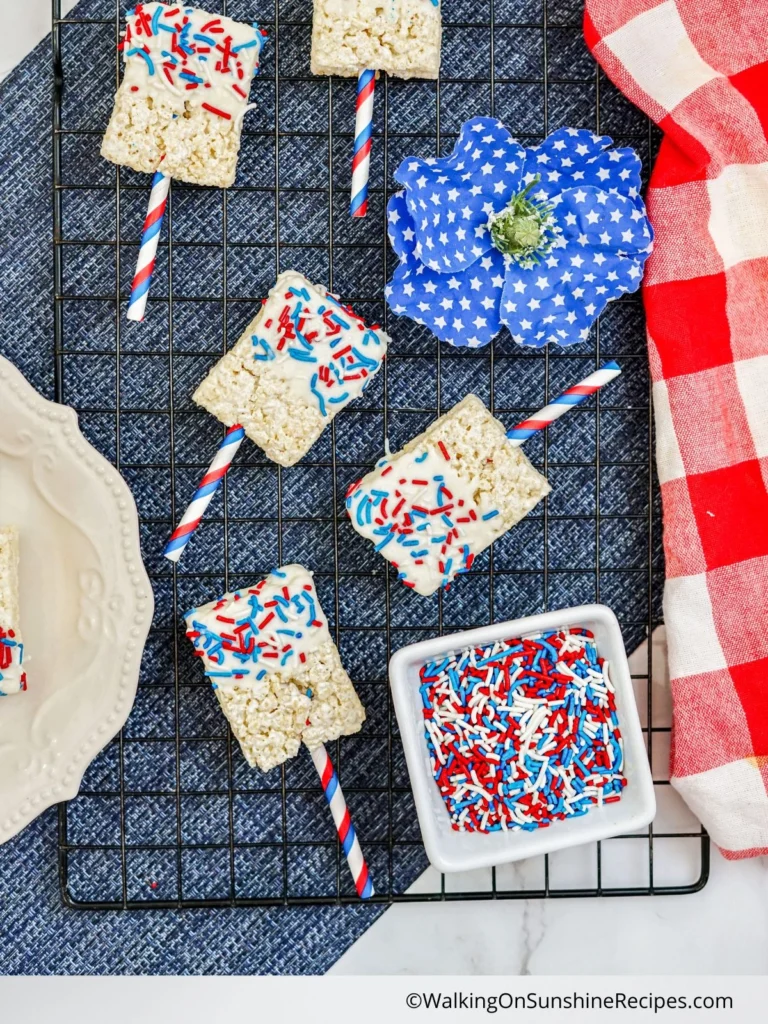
(150, 236)
(560, 405)
(361, 158)
(346, 830)
(206, 489)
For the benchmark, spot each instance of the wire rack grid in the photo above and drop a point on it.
(169, 815)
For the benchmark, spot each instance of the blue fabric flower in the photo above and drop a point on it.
(538, 239)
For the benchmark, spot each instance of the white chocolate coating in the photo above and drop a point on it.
(184, 93)
(423, 517)
(12, 676)
(192, 56)
(432, 507)
(275, 669)
(249, 633)
(302, 359)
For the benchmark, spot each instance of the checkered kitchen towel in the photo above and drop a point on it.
(699, 68)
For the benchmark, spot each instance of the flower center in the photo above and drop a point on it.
(525, 229)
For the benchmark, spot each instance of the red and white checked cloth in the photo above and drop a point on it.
(699, 68)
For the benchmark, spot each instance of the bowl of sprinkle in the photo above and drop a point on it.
(522, 738)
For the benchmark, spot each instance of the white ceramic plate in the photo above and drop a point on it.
(86, 601)
(464, 851)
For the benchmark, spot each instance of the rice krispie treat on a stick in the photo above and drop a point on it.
(302, 359)
(432, 507)
(12, 675)
(183, 94)
(401, 37)
(275, 669)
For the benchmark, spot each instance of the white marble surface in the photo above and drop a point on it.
(25, 23)
(722, 929)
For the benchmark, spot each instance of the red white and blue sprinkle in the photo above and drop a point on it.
(262, 629)
(327, 347)
(524, 732)
(185, 60)
(421, 516)
(12, 676)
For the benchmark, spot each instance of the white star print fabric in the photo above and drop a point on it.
(454, 280)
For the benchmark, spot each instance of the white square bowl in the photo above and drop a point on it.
(449, 850)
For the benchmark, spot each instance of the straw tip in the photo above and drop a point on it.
(612, 365)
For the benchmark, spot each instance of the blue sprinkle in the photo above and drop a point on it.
(318, 396)
(370, 364)
(301, 356)
(266, 352)
(145, 55)
(387, 539)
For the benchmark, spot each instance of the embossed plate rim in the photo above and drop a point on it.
(120, 675)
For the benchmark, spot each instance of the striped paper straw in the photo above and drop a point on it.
(202, 496)
(361, 157)
(150, 236)
(573, 396)
(346, 830)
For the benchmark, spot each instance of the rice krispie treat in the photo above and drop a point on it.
(183, 94)
(12, 675)
(401, 37)
(302, 359)
(274, 667)
(432, 507)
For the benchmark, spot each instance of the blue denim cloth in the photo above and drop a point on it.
(37, 935)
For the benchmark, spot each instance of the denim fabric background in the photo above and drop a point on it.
(131, 385)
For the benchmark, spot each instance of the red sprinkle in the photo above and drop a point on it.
(522, 733)
(215, 110)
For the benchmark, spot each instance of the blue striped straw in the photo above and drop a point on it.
(557, 407)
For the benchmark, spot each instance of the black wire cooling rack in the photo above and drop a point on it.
(169, 815)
